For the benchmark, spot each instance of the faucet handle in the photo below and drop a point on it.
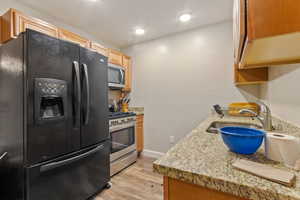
(218, 110)
(244, 111)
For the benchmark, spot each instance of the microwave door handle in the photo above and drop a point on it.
(86, 77)
(78, 97)
(122, 76)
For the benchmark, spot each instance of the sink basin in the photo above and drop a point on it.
(215, 126)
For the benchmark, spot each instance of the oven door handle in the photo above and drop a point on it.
(121, 127)
(68, 161)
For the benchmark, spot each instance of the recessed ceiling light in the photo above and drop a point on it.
(139, 31)
(185, 17)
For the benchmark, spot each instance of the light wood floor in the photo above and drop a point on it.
(138, 182)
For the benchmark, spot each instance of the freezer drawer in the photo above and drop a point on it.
(77, 177)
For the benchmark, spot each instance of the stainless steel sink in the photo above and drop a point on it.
(215, 126)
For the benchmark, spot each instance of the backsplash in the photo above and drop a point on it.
(114, 95)
(280, 125)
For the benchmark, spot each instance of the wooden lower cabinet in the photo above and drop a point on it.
(140, 133)
(178, 190)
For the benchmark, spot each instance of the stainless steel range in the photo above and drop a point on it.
(123, 146)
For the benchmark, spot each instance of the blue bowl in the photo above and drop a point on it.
(242, 140)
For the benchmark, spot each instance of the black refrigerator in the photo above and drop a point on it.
(53, 120)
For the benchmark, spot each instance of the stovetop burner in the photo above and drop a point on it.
(114, 115)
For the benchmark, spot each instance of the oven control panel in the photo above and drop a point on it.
(121, 123)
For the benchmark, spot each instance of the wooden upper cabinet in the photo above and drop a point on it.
(72, 37)
(272, 17)
(128, 73)
(272, 34)
(250, 76)
(22, 22)
(115, 57)
(99, 48)
(8, 26)
(239, 29)
(243, 76)
(15, 22)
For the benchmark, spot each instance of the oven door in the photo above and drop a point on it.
(116, 76)
(122, 142)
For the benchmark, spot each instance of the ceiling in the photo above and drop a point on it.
(114, 21)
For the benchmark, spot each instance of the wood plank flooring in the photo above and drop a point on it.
(138, 182)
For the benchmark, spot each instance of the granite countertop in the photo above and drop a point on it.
(136, 110)
(203, 159)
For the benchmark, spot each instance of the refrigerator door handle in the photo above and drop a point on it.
(78, 97)
(68, 161)
(86, 75)
(3, 156)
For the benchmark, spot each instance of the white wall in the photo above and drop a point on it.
(282, 92)
(6, 4)
(178, 78)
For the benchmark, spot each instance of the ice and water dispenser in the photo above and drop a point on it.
(50, 100)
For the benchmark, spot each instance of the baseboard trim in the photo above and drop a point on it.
(152, 154)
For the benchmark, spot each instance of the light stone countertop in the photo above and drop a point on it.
(137, 110)
(203, 159)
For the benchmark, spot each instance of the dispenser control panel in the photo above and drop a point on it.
(50, 97)
(50, 86)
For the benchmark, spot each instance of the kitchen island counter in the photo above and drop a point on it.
(202, 159)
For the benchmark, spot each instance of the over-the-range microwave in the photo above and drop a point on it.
(116, 76)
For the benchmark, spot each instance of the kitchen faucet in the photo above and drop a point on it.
(266, 120)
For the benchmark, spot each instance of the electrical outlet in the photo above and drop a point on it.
(172, 139)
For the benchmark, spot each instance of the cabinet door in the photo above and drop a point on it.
(1, 30)
(239, 28)
(115, 57)
(273, 32)
(140, 133)
(99, 48)
(22, 22)
(72, 37)
(272, 17)
(128, 73)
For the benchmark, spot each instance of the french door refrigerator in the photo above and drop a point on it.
(53, 120)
